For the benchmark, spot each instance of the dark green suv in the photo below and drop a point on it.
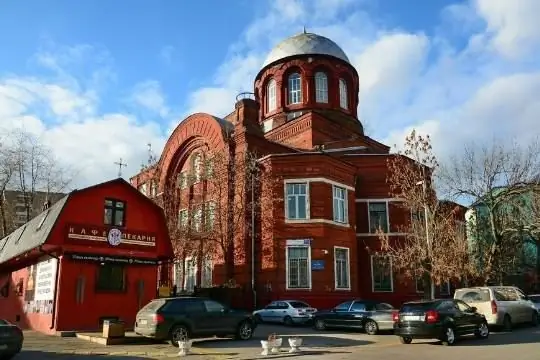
(180, 318)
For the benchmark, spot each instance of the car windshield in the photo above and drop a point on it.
(472, 295)
(535, 298)
(416, 307)
(298, 304)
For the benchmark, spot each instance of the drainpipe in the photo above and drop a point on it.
(53, 315)
(253, 239)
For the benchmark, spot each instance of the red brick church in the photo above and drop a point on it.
(302, 122)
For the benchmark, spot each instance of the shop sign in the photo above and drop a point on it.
(112, 236)
(111, 259)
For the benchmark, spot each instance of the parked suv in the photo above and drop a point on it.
(181, 318)
(501, 305)
(444, 319)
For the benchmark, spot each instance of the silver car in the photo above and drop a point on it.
(536, 301)
(288, 312)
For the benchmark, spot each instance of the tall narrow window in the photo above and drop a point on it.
(206, 274)
(210, 215)
(340, 204)
(296, 206)
(197, 218)
(381, 274)
(343, 96)
(378, 216)
(298, 267)
(115, 212)
(190, 280)
(321, 87)
(271, 95)
(183, 219)
(197, 167)
(295, 88)
(342, 268)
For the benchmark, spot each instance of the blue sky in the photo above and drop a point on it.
(97, 80)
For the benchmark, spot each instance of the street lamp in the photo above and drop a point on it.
(426, 223)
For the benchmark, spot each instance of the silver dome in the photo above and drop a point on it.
(305, 44)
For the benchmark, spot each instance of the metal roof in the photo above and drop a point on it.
(305, 44)
(32, 234)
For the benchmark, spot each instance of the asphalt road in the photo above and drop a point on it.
(521, 344)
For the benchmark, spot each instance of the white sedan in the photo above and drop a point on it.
(288, 312)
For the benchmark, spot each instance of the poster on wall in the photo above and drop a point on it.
(30, 283)
(45, 280)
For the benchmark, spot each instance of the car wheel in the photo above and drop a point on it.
(319, 324)
(405, 340)
(483, 331)
(507, 323)
(371, 327)
(244, 331)
(179, 333)
(449, 337)
(258, 319)
(287, 320)
(534, 319)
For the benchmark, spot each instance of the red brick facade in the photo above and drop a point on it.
(328, 170)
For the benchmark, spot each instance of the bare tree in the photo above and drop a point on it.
(496, 180)
(434, 247)
(7, 172)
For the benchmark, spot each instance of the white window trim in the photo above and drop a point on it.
(345, 206)
(348, 269)
(287, 267)
(387, 215)
(321, 75)
(373, 279)
(211, 271)
(195, 273)
(359, 200)
(386, 234)
(290, 91)
(319, 179)
(316, 221)
(271, 88)
(343, 94)
(286, 203)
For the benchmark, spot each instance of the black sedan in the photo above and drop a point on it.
(445, 320)
(11, 339)
(371, 316)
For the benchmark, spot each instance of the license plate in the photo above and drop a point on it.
(412, 318)
(143, 322)
(3, 347)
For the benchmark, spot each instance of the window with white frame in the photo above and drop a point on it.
(298, 267)
(197, 167)
(143, 188)
(381, 273)
(295, 88)
(341, 211)
(206, 273)
(190, 280)
(321, 87)
(343, 95)
(297, 199)
(197, 218)
(444, 288)
(342, 269)
(378, 216)
(183, 219)
(271, 95)
(210, 215)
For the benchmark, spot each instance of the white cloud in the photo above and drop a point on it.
(149, 95)
(513, 25)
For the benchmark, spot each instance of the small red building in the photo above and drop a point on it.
(301, 120)
(91, 256)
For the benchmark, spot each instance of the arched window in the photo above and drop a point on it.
(271, 95)
(343, 97)
(321, 87)
(295, 88)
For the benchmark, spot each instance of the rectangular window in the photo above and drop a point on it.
(342, 270)
(298, 267)
(381, 274)
(206, 275)
(115, 212)
(182, 180)
(378, 216)
(444, 288)
(197, 218)
(208, 169)
(111, 277)
(419, 284)
(183, 219)
(340, 204)
(210, 215)
(143, 188)
(297, 198)
(190, 280)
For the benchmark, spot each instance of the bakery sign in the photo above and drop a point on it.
(112, 236)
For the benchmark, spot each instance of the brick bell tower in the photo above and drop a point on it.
(308, 95)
